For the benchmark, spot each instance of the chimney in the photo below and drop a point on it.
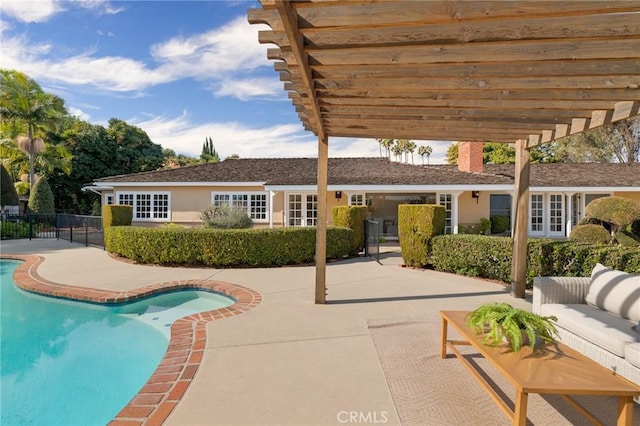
(470, 157)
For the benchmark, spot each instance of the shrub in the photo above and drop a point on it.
(8, 193)
(225, 217)
(10, 230)
(352, 217)
(617, 211)
(22, 188)
(224, 247)
(417, 225)
(41, 198)
(96, 209)
(499, 224)
(473, 255)
(490, 257)
(627, 238)
(590, 234)
(635, 227)
(116, 215)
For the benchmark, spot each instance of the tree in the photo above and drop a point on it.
(397, 151)
(175, 161)
(503, 153)
(410, 148)
(41, 198)
(425, 150)
(617, 142)
(135, 151)
(28, 107)
(209, 153)
(8, 194)
(388, 144)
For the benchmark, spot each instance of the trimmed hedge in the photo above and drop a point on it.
(8, 194)
(417, 225)
(352, 217)
(41, 198)
(224, 247)
(116, 215)
(590, 233)
(490, 257)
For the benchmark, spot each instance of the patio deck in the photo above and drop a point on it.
(288, 361)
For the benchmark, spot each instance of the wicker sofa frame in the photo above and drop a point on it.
(573, 290)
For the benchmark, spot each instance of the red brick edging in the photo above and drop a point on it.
(164, 389)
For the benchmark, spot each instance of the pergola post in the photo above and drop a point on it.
(520, 237)
(321, 226)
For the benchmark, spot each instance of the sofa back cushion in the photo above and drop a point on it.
(615, 291)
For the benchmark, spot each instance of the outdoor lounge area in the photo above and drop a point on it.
(371, 353)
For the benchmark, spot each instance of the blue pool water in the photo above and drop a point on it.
(72, 363)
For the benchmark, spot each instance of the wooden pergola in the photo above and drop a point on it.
(523, 72)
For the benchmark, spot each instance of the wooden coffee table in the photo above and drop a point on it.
(557, 369)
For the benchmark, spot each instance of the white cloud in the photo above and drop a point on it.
(185, 137)
(30, 10)
(210, 56)
(250, 88)
(102, 7)
(76, 112)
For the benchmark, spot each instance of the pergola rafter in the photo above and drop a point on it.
(499, 71)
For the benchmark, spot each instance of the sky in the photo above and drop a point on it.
(180, 70)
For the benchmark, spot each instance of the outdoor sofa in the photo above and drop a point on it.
(598, 316)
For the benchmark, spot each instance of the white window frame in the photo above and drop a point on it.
(305, 217)
(154, 212)
(362, 201)
(234, 198)
(561, 232)
(446, 199)
(540, 232)
(108, 199)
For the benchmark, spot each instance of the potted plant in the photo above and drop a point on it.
(502, 322)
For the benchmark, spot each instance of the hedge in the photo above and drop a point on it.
(224, 247)
(352, 217)
(116, 215)
(490, 257)
(417, 224)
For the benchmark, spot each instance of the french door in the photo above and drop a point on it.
(302, 210)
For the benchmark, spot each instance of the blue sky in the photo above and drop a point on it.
(180, 70)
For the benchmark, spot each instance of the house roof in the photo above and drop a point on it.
(381, 171)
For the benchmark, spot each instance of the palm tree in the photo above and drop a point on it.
(425, 150)
(411, 147)
(24, 104)
(387, 144)
(397, 151)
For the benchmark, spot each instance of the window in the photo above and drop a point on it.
(147, 205)
(446, 201)
(556, 216)
(536, 216)
(302, 210)
(108, 199)
(357, 200)
(255, 204)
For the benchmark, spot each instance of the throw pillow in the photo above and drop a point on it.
(615, 291)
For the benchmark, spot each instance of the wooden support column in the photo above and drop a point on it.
(520, 237)
(321, 227)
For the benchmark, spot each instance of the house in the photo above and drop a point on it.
(280, 192)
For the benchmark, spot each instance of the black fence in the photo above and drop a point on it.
(372, 239)
(85, 230)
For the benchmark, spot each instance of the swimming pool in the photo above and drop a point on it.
(72, 363)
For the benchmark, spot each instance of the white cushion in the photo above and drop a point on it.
(599, 327)
(632, 354)
(615, 291)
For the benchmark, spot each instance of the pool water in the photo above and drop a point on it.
(72, 363)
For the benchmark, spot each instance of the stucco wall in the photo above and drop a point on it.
(470, 210)
(631, 195)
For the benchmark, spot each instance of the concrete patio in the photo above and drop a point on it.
(288, 361)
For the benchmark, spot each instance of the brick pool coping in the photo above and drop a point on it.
(166, 386)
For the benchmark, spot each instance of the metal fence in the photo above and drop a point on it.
(372, 239)
(86, 230)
